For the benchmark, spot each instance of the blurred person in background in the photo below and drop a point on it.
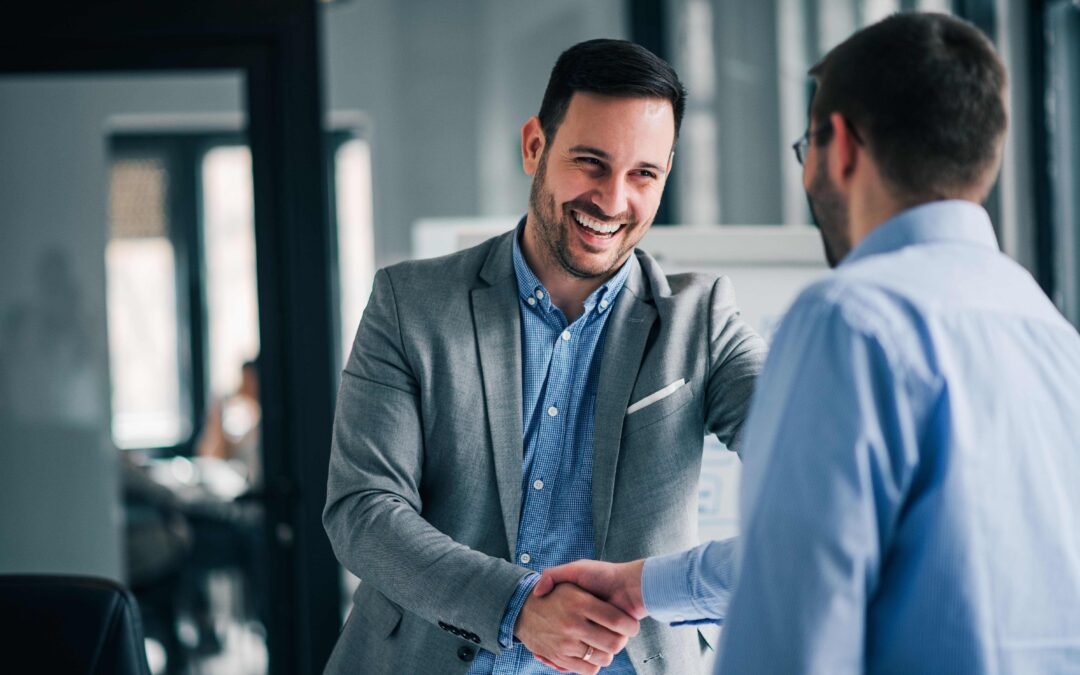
(232, 427)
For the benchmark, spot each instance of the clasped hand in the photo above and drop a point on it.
(581, 615)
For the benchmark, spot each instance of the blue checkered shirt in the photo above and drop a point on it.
(560, 369)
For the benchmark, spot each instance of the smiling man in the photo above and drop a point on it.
(538, 399)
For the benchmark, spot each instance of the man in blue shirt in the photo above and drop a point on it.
(537, 399)
(910, 498)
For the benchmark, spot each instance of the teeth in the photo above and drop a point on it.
(596, 225)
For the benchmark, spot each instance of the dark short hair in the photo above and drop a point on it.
(926, 91)
(609, 68)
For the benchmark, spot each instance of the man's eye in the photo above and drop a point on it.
(589, 160)
(645, 173)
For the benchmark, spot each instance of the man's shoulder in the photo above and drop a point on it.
(855, 307)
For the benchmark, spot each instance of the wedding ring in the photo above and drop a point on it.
(588, 653)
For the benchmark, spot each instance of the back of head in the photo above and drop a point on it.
(927, 91)
(609, 68)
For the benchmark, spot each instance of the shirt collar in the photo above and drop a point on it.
(952, 220)
(529, 285)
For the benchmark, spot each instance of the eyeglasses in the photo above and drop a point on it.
(803, 144)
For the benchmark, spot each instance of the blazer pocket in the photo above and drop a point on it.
(376, 612)
(655, 412)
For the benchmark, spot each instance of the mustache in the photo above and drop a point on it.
(591, 210)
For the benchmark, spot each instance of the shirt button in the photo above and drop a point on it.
(566, 335)
(604, 303)
(539, 295)
(538, 484)
(530, 300)
(525, 558)
(553, 411)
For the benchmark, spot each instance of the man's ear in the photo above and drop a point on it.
(532, 145)
(845, 152)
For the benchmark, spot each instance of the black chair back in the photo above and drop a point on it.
(78, 625)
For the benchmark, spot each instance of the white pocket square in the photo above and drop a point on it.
(656, 396)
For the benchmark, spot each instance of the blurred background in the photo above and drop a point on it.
(194, 198)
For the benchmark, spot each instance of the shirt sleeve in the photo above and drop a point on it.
(691, 587)
(830, 450)
(513, 608)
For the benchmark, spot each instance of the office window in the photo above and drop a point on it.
(143, 313)
(232, 307)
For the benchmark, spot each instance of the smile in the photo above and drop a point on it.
(595, 227)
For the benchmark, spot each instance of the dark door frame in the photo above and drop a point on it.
(1041, 137)
(274, 43)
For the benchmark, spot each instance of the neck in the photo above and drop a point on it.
(872, 203)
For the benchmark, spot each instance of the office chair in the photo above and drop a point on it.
(61, 625)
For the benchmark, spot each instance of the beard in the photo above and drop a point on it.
(829, 212)
(553, 233)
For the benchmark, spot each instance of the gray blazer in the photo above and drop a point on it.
(424, 492)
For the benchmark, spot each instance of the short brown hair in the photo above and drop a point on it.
(609, 68)
(927, 93)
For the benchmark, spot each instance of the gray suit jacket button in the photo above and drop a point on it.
(466, 653)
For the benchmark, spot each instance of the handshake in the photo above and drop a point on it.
(580, 615)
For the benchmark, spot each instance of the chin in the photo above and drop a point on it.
(586, 266)
(586, 272)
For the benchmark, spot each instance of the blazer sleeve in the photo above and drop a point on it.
(373, 512)
(736, 356)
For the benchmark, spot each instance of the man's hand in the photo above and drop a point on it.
(567, 624)
(618, 583)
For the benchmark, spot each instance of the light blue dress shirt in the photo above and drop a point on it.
(911, 484)
(560, 370)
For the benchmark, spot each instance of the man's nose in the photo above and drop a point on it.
(611, 196)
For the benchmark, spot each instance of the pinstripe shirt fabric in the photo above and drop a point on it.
(560, 369)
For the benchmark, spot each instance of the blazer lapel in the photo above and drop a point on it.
(627, 331)
(498, 334)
